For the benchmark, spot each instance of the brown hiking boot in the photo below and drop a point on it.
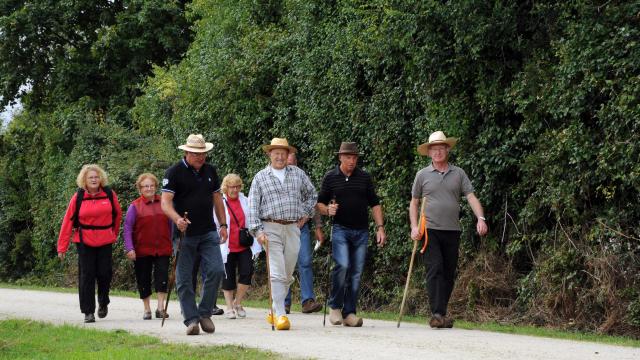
(207, 325)
(311, 306)
(352, 320)
(448, 322)
(437, 321)
(193, 328)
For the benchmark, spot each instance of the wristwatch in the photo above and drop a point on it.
(224, 225)
(482, 218)
(379, 226)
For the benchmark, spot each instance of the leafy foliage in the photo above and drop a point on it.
(543, 96)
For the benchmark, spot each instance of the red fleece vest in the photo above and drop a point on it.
(151, 234)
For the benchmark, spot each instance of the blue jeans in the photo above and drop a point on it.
(349, 251)
(305, 267)
(208, 246)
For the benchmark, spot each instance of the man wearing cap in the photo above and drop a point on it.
(193, 186)
(353, 192)
(281, 200)
(441, 185)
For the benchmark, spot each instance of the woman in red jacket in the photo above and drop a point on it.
(147, 240)
(94, 213)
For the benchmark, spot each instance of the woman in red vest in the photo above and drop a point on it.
(147, 240)
(94, 213)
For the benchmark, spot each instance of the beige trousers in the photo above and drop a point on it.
(284, 245)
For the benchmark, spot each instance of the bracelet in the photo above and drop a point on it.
(482, 218)
(379, 226)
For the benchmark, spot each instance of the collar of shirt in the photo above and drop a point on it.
(430, 168)
(337, 172)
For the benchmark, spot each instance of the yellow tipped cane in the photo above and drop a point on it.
(422, 228)
(273, 315)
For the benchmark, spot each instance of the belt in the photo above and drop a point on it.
(281, 222)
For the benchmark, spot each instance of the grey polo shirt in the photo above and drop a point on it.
(443, 195)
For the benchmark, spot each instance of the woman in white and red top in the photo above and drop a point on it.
(98, 225)
(236, 257)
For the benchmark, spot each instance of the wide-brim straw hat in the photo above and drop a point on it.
(278, 143)
(349, 148)
(195, 143)
(436, 138)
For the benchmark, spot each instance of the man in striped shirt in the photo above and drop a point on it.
(281, 200)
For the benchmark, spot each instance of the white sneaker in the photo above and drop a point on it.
(230, 314)
(240, 312)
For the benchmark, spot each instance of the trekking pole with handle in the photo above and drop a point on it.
(273, 315)
(326, 287)
(422, 225)
(172, 279)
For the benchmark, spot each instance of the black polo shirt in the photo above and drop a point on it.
(354, 195)
(193, 192)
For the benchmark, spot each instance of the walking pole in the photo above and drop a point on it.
(273, 315)
(422, 227)
(172, 279)
(326, 287)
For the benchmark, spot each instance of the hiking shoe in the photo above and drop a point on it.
(240, 312)
(287, 308)
(352, 320)
(230, 314)
(311, 306)
(193, 329)
(147, 315)
(103, 310)
(335, 317)
(437, 321)
(283, 323)
(448, 322)
(89, 318)
(207, 325)
(159, 314)
(217, 311)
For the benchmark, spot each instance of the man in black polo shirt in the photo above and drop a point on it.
(353, 192)
(193, 186)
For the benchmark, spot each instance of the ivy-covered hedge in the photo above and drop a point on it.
(543, 96)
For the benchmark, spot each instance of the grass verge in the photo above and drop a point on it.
(393, 316)
(26, 339)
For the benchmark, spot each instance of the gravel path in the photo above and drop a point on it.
(307, 338)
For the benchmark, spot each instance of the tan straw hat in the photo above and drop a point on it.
(436, 138)
(196, 144)
(278, 143)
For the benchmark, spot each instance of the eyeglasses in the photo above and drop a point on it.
(235, 186)
(444, 149)
(203, 154)
(147, 186)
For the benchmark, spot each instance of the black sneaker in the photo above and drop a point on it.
(287, 309)
(217, 311)
(103, 310)
(89, 318)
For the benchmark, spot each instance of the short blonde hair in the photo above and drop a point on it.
(229, 180)
(145, 176)
(81, 180)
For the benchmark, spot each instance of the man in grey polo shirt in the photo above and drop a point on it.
(441, 184)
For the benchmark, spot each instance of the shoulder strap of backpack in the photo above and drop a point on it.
(76, 214)
(109, 193)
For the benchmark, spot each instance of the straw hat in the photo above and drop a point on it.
(436, 138)
(196, 144)
(278, 143)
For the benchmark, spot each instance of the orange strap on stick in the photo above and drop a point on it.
(422, 225)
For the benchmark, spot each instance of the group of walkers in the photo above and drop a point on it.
(223, 232)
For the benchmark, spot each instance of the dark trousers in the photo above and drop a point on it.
(194, 279)
(147, 267)
(243, 262)
(94, 263)
(441, 260)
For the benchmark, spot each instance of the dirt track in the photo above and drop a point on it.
(307, 338)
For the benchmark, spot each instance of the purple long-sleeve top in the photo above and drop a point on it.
(129, 225)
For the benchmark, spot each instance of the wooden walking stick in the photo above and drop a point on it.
(273, 315)
(326, 287)
(172, 279)
(422, 226)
